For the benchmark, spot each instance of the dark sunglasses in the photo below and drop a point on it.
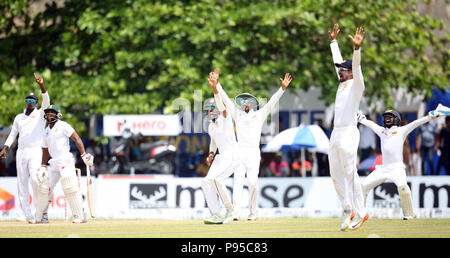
(30, 100)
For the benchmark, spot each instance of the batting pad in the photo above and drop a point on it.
(42, 199)
(406, 200)
(73, 195)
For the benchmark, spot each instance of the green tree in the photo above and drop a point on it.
(137, 56)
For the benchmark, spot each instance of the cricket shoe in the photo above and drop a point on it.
(44, 219)
(228, 217)
(253, 216)
(346, 220)
(359, 222)
(79, 220)
(215, 219)
(408, 217)
(30, 220)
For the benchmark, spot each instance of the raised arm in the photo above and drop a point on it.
(45, 96)
(212, 81)
(229, 105)
(372, 125)
(277, 95)
(416, 123)
(356, 61)
(335, 52)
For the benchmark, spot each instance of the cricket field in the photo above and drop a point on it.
(262, 228)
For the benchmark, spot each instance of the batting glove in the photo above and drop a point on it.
(88, 159)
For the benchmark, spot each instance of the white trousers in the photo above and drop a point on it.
(250, 159)
(60, 168)
(28, 162)
(213, 185)
(393, 172)
(343, 157)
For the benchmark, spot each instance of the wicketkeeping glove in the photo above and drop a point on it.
(441, 110)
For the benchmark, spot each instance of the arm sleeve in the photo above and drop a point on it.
(372, 125)
(229, 105)
(414, 124)
(45, 100)
(273, 100)
(212, 146)
(336, 53)
(13, 134)
(219, 103)
(356, 70)
(68, 130)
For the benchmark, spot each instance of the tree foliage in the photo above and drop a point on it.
(137, 56)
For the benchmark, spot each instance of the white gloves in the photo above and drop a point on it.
(441, 110)
(360, 115)
(42, 174)
(88, 159)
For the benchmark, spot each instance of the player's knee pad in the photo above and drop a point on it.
(406, 201)
(42, 201)
(73, 195)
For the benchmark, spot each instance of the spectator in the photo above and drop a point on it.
(425, 142)
(297, 167)
(443, 144)
(322, 158)
(367, 143)
(202, 167)
(279, 167)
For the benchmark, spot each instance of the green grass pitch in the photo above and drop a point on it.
(262, 228)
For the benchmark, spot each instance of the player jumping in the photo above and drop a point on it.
(345, 136)
(249, 124)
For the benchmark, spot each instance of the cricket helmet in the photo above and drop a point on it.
(53, 108)
(395, 115)
(211, 108)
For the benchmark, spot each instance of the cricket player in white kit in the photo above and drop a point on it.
(249, 124)
(392, 137)
(29, 125)
(345, 136)
(62, 165)
(223, 164)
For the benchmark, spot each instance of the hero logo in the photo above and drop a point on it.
(144, 196)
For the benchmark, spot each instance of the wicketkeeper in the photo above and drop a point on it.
(392, 137)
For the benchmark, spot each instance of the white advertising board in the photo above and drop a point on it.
(168, 197)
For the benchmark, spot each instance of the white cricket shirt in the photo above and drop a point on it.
(392, 139)
(30, 128)
(349, 93)
(249, 125)
(56, 140)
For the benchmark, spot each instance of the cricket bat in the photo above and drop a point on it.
(90, 192)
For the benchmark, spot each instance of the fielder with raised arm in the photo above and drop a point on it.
(249, 124)
(345, 136)
(392, 137)
(29, 125)
(221, 132)
(62, 165)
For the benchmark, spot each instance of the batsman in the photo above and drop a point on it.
(62, 165)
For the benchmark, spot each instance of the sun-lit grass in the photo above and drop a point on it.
(262, 228)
